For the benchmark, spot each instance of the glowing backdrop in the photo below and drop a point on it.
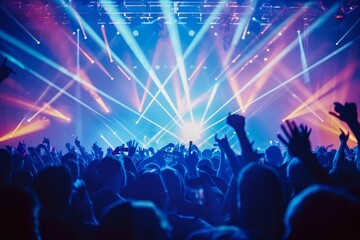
(165, 81)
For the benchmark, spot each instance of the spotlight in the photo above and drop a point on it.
(192, 131)
(135, 33)
(191, 33)
(157, 67)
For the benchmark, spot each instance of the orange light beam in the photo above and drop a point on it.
(196, 70)
(94, 94)
(82, 50)
(280, 56)
(27, 129)
(287, 81)
(78, 18)
(326, 87)
(106, 42)
(123, 72)
(20, 103)
(47, 105)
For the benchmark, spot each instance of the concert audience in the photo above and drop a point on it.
(185, 193)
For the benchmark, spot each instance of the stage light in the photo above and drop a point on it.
(191, 33)
(157, 67)
(191, 131)
(265, 59)
(117, 33)
(135, 33)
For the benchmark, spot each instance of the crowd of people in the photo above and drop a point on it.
(179, 192)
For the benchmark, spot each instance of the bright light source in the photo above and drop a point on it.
(157, 66)
(191, 33)
(265, 59)
(192, 131)
(135, 33)
(117, 33)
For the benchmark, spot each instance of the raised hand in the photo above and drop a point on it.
(21, 148)
(344, 137)
(109, 151)
(191, 161)
(46, 141)
(222, 142)
(296, 139)
(132, 145)
(346, 113)
(77, 142)
(236, 121)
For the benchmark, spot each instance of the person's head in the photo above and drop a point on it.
(54, 186)
(206, 154)
(91, 177)
(69, 156)
(129, 165)
(111, 171)
(74, 169)
(322, 212)
(273, 155)
(133, 220)
(321, 151)
(149, 186)
(174, 185)
(18, 214)
(206, 166)
(260, 199)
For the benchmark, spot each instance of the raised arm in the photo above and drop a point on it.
(237, 122)
(297, 141)
(348, 113)
(339, 156)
